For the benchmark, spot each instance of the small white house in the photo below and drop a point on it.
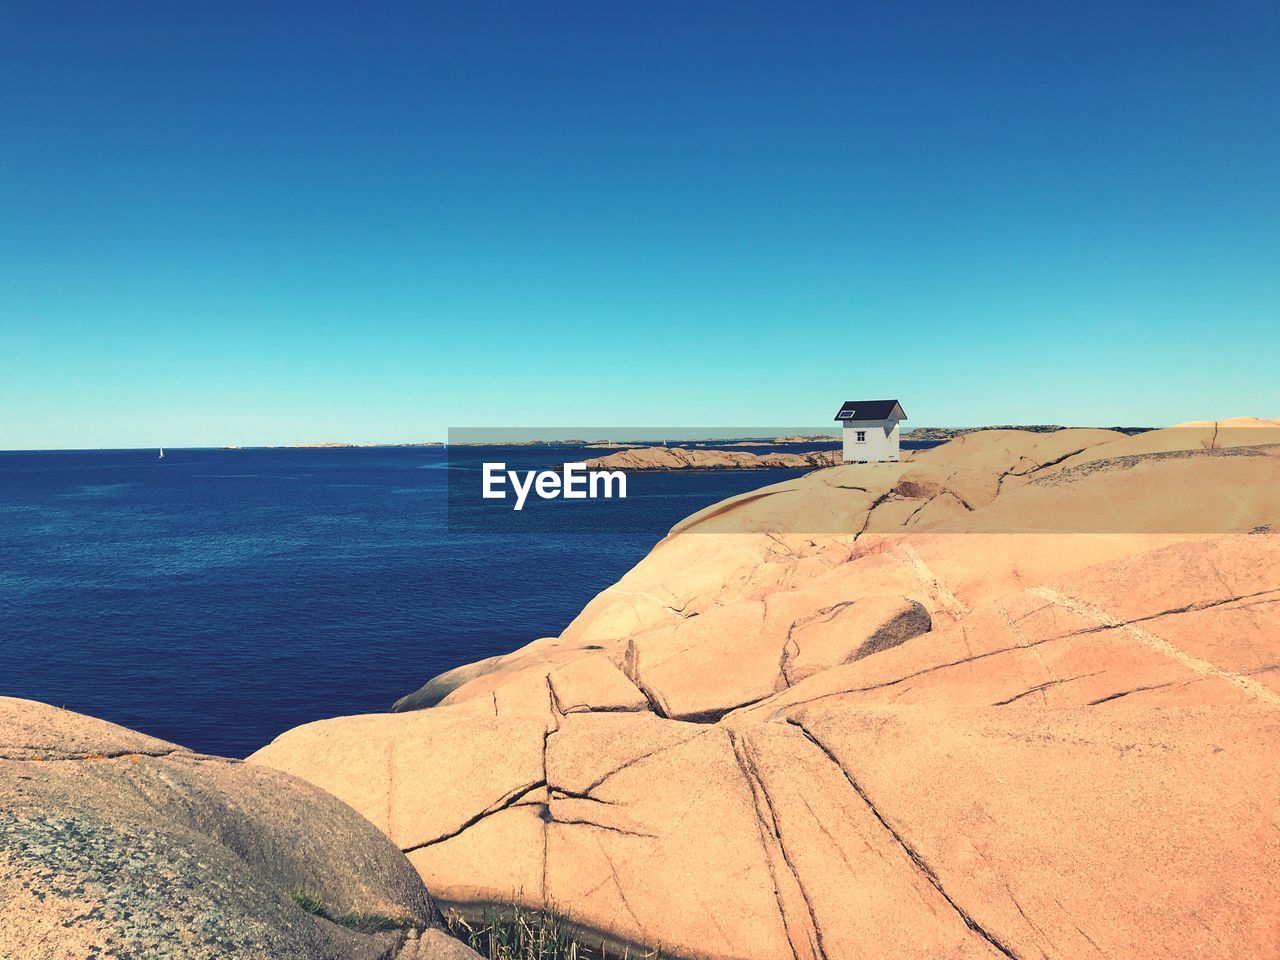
(870, 429)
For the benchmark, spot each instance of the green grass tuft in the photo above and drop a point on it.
(512, 933)
(515, 933)
(309, 902)
(360, 922)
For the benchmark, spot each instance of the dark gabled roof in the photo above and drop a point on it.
(871, 410)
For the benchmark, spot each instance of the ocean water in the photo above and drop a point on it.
(217, 598)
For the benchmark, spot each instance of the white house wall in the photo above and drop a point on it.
(881, 443)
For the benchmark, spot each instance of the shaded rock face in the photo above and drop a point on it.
(905, 741)
(116, 844)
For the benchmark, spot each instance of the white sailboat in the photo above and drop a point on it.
(161, 457)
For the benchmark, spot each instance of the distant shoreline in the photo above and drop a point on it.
(918, 433)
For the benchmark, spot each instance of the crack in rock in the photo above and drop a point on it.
(631, 670)
(912, 854)
(1023, 647)
(1195, 664)
(1193, 607)
(1042, 686)
(603, 778)
(871, 509)
(762, 803)
(579, 822)
(791, 649)
(510, 800)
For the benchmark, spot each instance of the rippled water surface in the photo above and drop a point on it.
(219, 597)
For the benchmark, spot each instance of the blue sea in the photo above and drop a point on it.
(217, 598)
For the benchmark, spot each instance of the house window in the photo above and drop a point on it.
(862, 436)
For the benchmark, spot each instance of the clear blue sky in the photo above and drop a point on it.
(268, 223)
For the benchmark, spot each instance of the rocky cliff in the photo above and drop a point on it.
(1018, 696)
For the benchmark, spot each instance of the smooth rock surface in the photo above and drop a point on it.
(1015, 696)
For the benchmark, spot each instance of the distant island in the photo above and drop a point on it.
(947, 433)
(346, 446)
(652, 459)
